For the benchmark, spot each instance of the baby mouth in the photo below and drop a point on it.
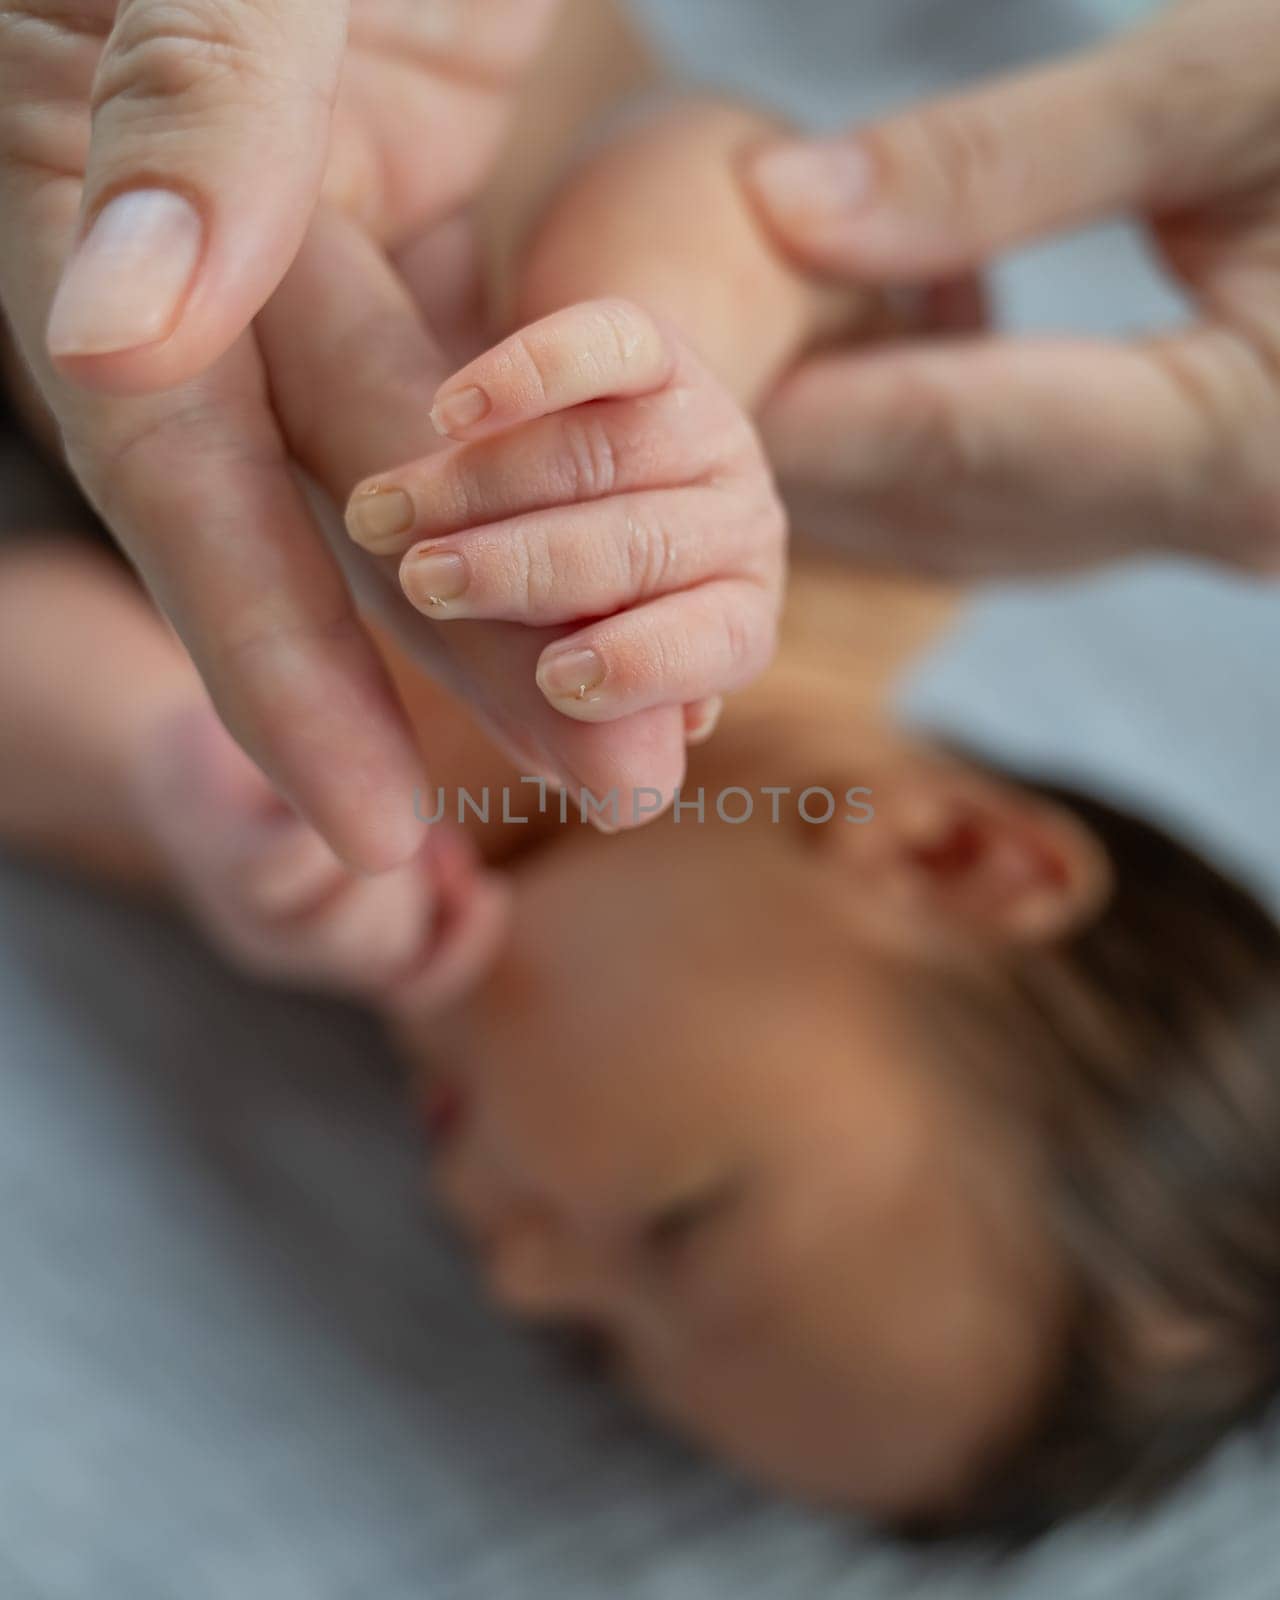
(586, 1350)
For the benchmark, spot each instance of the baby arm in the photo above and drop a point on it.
(661, 218)
(603, 464)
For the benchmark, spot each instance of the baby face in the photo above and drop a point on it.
(690, 1109)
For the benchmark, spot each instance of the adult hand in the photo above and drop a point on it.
(983, 454)
(169, 157)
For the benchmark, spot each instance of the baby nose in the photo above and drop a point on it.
(535, 1270)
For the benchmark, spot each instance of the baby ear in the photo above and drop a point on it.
(953, 855)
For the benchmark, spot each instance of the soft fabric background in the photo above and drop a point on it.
(238, 1359)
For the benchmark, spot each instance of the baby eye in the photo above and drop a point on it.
(671, 1229)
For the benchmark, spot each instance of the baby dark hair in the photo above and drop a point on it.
(1148, 1053)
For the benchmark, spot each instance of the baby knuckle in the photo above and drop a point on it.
(462, 495)
(762, 611)
(529, 365)
(534, 578)
(626, 330)
(591, 463)
(651, 554)
(761, 528)
(772, 524)
(647, 662)
(749, 447)
(743, 627)
(725, 448)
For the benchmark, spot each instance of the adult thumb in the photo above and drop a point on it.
(1161, 119)
(209, 141)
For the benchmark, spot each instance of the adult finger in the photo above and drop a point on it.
(197, 487)
(262, 881)
(205, 500)
(1178, 113)
(209, 142)
(1035, 455)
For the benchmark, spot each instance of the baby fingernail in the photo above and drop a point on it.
(125, 285)
(432, 580)
(453, 412)
(379, 517)
(815, 183)
(574, 675)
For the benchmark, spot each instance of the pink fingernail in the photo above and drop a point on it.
(815, 185)
(129, 277)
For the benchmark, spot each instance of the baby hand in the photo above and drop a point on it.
(602, 482)
(272, 896)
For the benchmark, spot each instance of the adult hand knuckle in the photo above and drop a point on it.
(111, 464)
(267, 647)
(960, 146)
(172, 52)
(938, 442)
(1227, 385)
(121, 466)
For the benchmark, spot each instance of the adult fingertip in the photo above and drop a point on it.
(811, 189)
(129, 277)
(374, 822)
